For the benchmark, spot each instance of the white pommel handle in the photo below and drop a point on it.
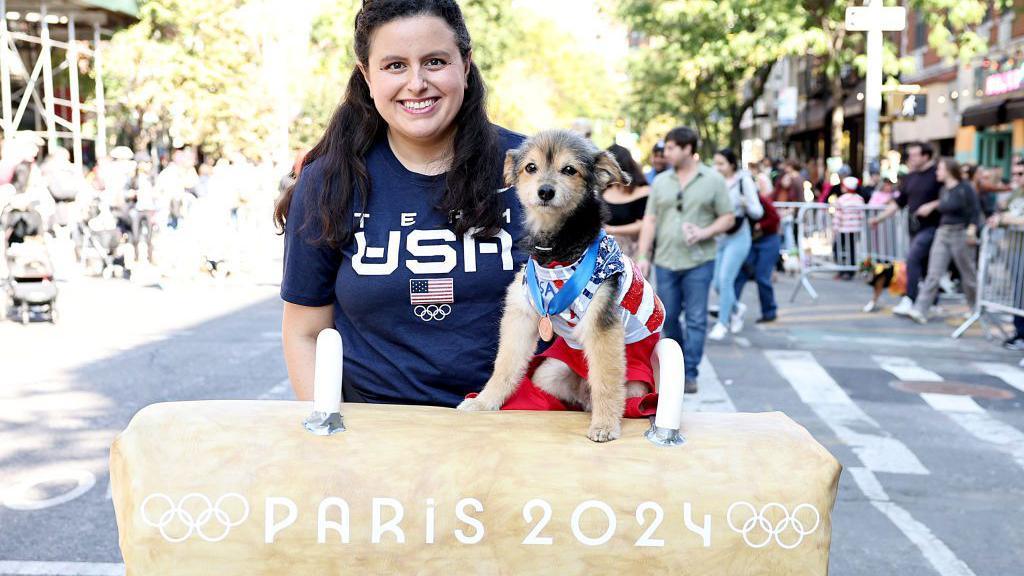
(669, 379)
(327, 378)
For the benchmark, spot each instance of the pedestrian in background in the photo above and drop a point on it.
(764, 253)
(734, 245)
(688, 206)
(1011, 213)
(626, 202)
(919, 187)
(959, 215)
(847, 224)
(658, 163)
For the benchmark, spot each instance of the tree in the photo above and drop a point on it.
(707, 62)
(191, 70)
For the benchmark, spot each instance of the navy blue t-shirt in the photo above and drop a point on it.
(418, 309)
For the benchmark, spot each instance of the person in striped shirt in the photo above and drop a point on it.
(847, 224)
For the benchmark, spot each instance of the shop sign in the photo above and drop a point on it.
(1004, 82)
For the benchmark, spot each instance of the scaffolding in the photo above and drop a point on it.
(31, 31)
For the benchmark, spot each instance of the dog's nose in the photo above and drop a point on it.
(546, 192)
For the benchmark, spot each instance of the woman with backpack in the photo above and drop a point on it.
(733, 246)
(764, 253)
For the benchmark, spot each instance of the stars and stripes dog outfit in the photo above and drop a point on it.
(642, 315)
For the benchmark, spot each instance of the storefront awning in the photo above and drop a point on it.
(987, 114)
(1015, 109)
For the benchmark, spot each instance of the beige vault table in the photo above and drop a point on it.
(239, 487)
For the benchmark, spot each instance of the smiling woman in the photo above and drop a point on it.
(396, 233)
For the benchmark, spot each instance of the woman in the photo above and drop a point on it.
(960, 215)
(764, 254)
(397, 232)
(734, 246)
(626, 204)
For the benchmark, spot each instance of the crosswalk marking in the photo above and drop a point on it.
(1009, 374)
(711, 395)
(963, 410)
(878, 451)
(906, 369)
(934, 549)
(828, 400)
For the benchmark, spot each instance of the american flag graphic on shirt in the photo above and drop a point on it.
(441, 291)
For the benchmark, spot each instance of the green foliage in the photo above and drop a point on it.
(705, 58)
(202, 73)
(189, 69)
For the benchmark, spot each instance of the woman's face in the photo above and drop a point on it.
(722, 165)
(941, 173)
(417, 77)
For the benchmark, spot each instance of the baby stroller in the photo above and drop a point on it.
(104, 239)
(29, 288)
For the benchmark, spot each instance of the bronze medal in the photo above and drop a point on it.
(546, 329)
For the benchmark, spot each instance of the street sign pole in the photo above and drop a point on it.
(874, 19)
(873, 95)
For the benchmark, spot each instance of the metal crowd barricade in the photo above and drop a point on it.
(889, 241)
(1000, 278)
(820, 248)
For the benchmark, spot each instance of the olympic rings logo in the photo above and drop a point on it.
(197, 524)
(432, 312)
(758, 522)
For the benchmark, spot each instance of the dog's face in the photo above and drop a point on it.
(556, 170)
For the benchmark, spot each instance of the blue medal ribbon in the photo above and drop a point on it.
(571, 289)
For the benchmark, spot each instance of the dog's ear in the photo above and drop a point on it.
(511, 160)
(607, 171)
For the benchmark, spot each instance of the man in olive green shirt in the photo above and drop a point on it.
(688, 206)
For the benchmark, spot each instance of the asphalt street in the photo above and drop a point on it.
(941, 496)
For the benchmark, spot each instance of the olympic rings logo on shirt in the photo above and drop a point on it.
(432, 312)
(759, 522)
(210, 512)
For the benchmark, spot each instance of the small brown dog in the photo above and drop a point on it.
(577, 285)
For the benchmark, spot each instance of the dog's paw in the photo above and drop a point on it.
(474, 405)
(604, 432)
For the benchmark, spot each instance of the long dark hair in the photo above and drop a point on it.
(629, 167)
(475, 173)
(953, 168)
(730, 157)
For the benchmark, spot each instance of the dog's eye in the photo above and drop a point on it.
(531, 168)
(569, 171)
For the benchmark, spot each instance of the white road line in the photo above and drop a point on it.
(1009, 374)
(711, 395)
(961, 409)
(883, 342)
(60, 568)
(278, 392)
(906, 369)
(876, 449)
(934, 550)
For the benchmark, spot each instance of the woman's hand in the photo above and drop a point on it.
(924, 210)
(972, 235)
(644, 265)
